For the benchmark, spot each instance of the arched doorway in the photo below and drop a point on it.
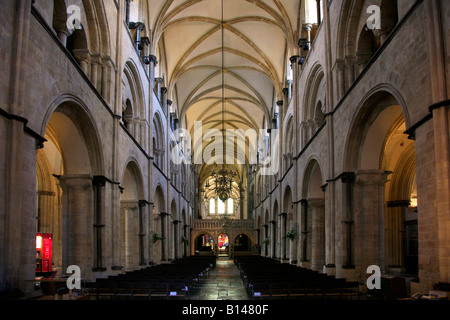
(242, 244)
(131, 218)
(185, 236)
(174, 234)
(313, 218)
(204, 244)
(49, 166)
(159, 229)
(67, 169)
(274, 226)
(288, 224)
(383, 190)
(266, 240)
(223, 243)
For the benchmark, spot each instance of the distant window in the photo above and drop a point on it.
(311, 11)
(230, 203)
(212, 206)
(220, 206)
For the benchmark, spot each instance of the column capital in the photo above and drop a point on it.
(316, 202)
(99, 181)
(371, 176)
(293, 59)
(153, 59)
(130, 204)
(143, 203)
(75, 181)
(307, 27)
(398, 203)
(348, 177)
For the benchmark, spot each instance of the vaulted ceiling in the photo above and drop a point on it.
(246, 62)
(252, 51)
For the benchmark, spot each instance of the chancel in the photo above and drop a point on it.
(348, 167)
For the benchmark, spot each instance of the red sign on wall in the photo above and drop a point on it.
(43, 252)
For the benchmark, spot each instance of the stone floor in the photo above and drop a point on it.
(223, 283)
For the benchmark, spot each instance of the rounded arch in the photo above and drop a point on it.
(132, 176)
(159, 205)
(242, 242)
(72, 121)
(382, 106)
(275, 210)
(158, 140)
(289, 136)
(313, 180)
(287, 200)
(380, 153)
(173, 209)
(313, 93)
(348, 25)
(204, 243)
(133, 82)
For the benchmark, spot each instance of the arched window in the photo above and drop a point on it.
(127, 115)
(212, 206)
(230, 203)
(220, 206)
(311, 12)
(131, 11)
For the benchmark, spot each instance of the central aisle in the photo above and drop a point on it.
(223, 283)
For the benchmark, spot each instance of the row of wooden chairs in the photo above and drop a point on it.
(266, 278)
(165, 281)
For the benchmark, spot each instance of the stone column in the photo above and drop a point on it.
(395, 231)
(317, 208)
(164, 233)
(129, 222)
(186, 236)
(330, 228)
(295, 243)
(350, 71)
(142, 224)
(62, 36)
(303, 127)
(83, 57)
(152, 62)
(99, 183)
(158, 82)
(107, 79)
(115, 225)
(441, 128)
(283, 222)
(266, 234)
(369, 219)
(77, 217)
(273, 239)
(305, 232)
(340, 78)
(96, 71)
(347, 221)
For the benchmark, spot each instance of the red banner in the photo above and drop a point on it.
(43, 252)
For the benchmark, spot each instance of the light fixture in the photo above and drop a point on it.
(38, 242)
